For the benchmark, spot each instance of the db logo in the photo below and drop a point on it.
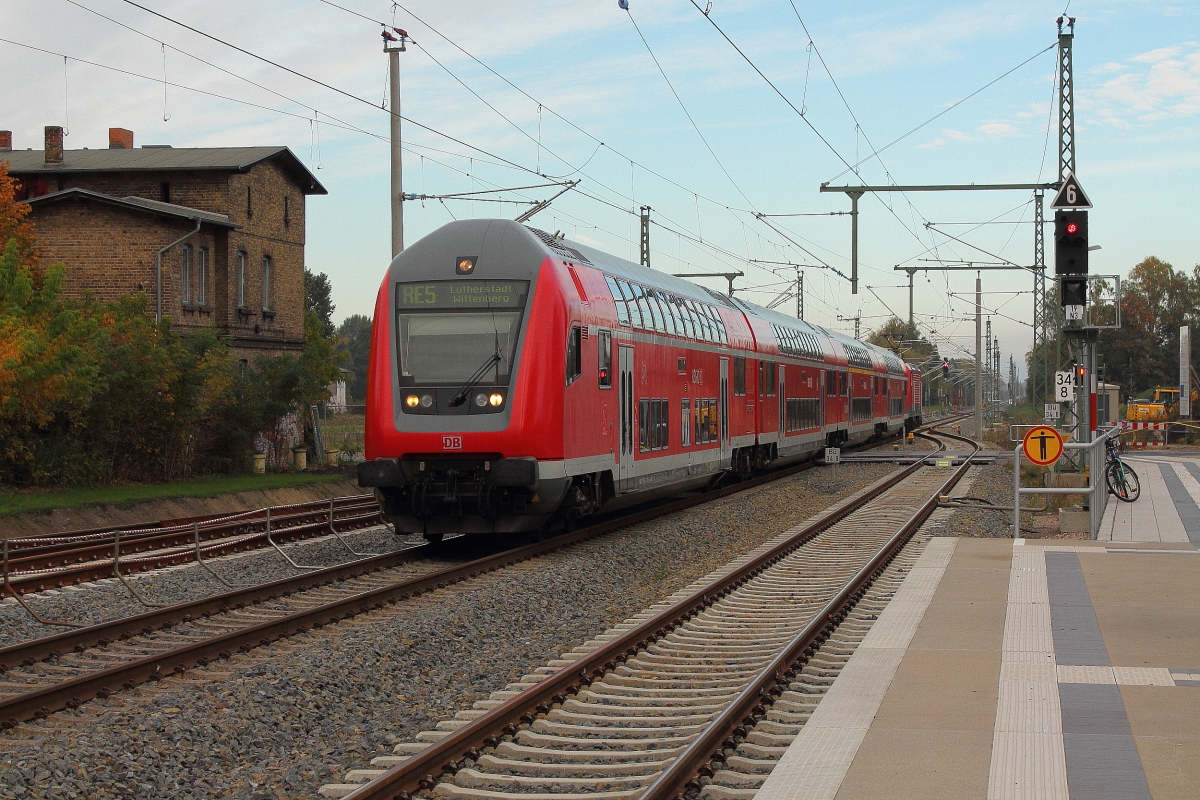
(452, 443)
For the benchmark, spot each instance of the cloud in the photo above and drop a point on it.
(998, 129)
(1162, 84)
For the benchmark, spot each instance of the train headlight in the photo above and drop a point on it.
(496, 399)
(412, 401)
(481, 399)
(426, 400)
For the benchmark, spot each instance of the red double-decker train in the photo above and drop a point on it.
(519, 381)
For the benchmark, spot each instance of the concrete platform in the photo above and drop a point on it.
(1045, 669)
(1169, 507)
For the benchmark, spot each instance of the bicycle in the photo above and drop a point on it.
(1119, 476)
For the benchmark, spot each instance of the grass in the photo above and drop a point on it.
(126, 496)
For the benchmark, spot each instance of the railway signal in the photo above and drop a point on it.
(1071, 256)
(945, 370)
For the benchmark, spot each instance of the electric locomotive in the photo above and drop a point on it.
(519, 381)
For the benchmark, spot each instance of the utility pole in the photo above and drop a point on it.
(987, 369)
(799, 294)
(1040, 366)
(645, 246)
(397, 185)
(978, 356)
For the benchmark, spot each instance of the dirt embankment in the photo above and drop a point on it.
(41, 523)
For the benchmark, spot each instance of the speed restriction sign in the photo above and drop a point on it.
(1064, 386)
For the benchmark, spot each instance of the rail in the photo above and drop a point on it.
(422, 770)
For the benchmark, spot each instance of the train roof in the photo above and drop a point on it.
(852, 351)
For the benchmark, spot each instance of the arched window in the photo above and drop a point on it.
(266, 280)
(185, 276)
(241, 278)
(202, 294)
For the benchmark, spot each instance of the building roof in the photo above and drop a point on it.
(137, 204)
(161, 159)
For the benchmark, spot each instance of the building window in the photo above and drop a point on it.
(266, 278)
(249, 207)
(185, 276)
(202, 267)
(164, 191)
(287, 217)
(241, 278)
(242, 364)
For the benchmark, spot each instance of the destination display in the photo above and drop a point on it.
(443, 295)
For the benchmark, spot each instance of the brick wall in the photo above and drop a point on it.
(111, 251)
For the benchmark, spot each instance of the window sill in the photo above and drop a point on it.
(268, 314)
(205, 309)
(244, 312)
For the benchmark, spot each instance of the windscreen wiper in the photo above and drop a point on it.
(474, 380)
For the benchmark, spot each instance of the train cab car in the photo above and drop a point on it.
(519, 381)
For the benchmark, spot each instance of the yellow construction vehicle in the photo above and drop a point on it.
(1163, 408)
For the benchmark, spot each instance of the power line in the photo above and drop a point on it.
(686, 113)
(311, 79)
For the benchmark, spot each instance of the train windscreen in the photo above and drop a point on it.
(447, 331)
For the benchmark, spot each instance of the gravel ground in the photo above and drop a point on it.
(284, 720)
(994, 484)
(104, 600)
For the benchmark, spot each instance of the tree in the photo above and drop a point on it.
(1156, 300)
(904, 340)
(318, 298)
(354, 335)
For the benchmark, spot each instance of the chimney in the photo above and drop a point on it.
(5, 140)
(54, 144)
(120, 139)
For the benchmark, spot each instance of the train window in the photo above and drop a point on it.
(831, 383)
(618, 300)
(635, 308)
(722, 336)
(663, 323)
(674, 320)
(762, 379)
(697, 324)
(702, 323)
(685, 423)
(739, 377)
(656, 439)
(604, 359)
(664, 422)
(574, 354)
(686, 318)
(681, 365)
(772, 378)
(643, 421)
(844, 383)
(639, 296)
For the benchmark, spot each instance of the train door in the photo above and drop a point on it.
(781, 395)
(726, 450)
(625, 453)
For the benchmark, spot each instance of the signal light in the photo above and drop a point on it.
(1070, 243)
(946, 369)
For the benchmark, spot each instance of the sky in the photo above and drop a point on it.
(725, 123)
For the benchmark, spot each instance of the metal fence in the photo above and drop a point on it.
(1096, 492)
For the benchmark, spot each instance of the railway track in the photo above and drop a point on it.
(702, 692)
(52, 562)
(70, 668)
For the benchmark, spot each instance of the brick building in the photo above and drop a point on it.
(213, 235)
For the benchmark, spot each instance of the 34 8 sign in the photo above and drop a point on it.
(1064, 387)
